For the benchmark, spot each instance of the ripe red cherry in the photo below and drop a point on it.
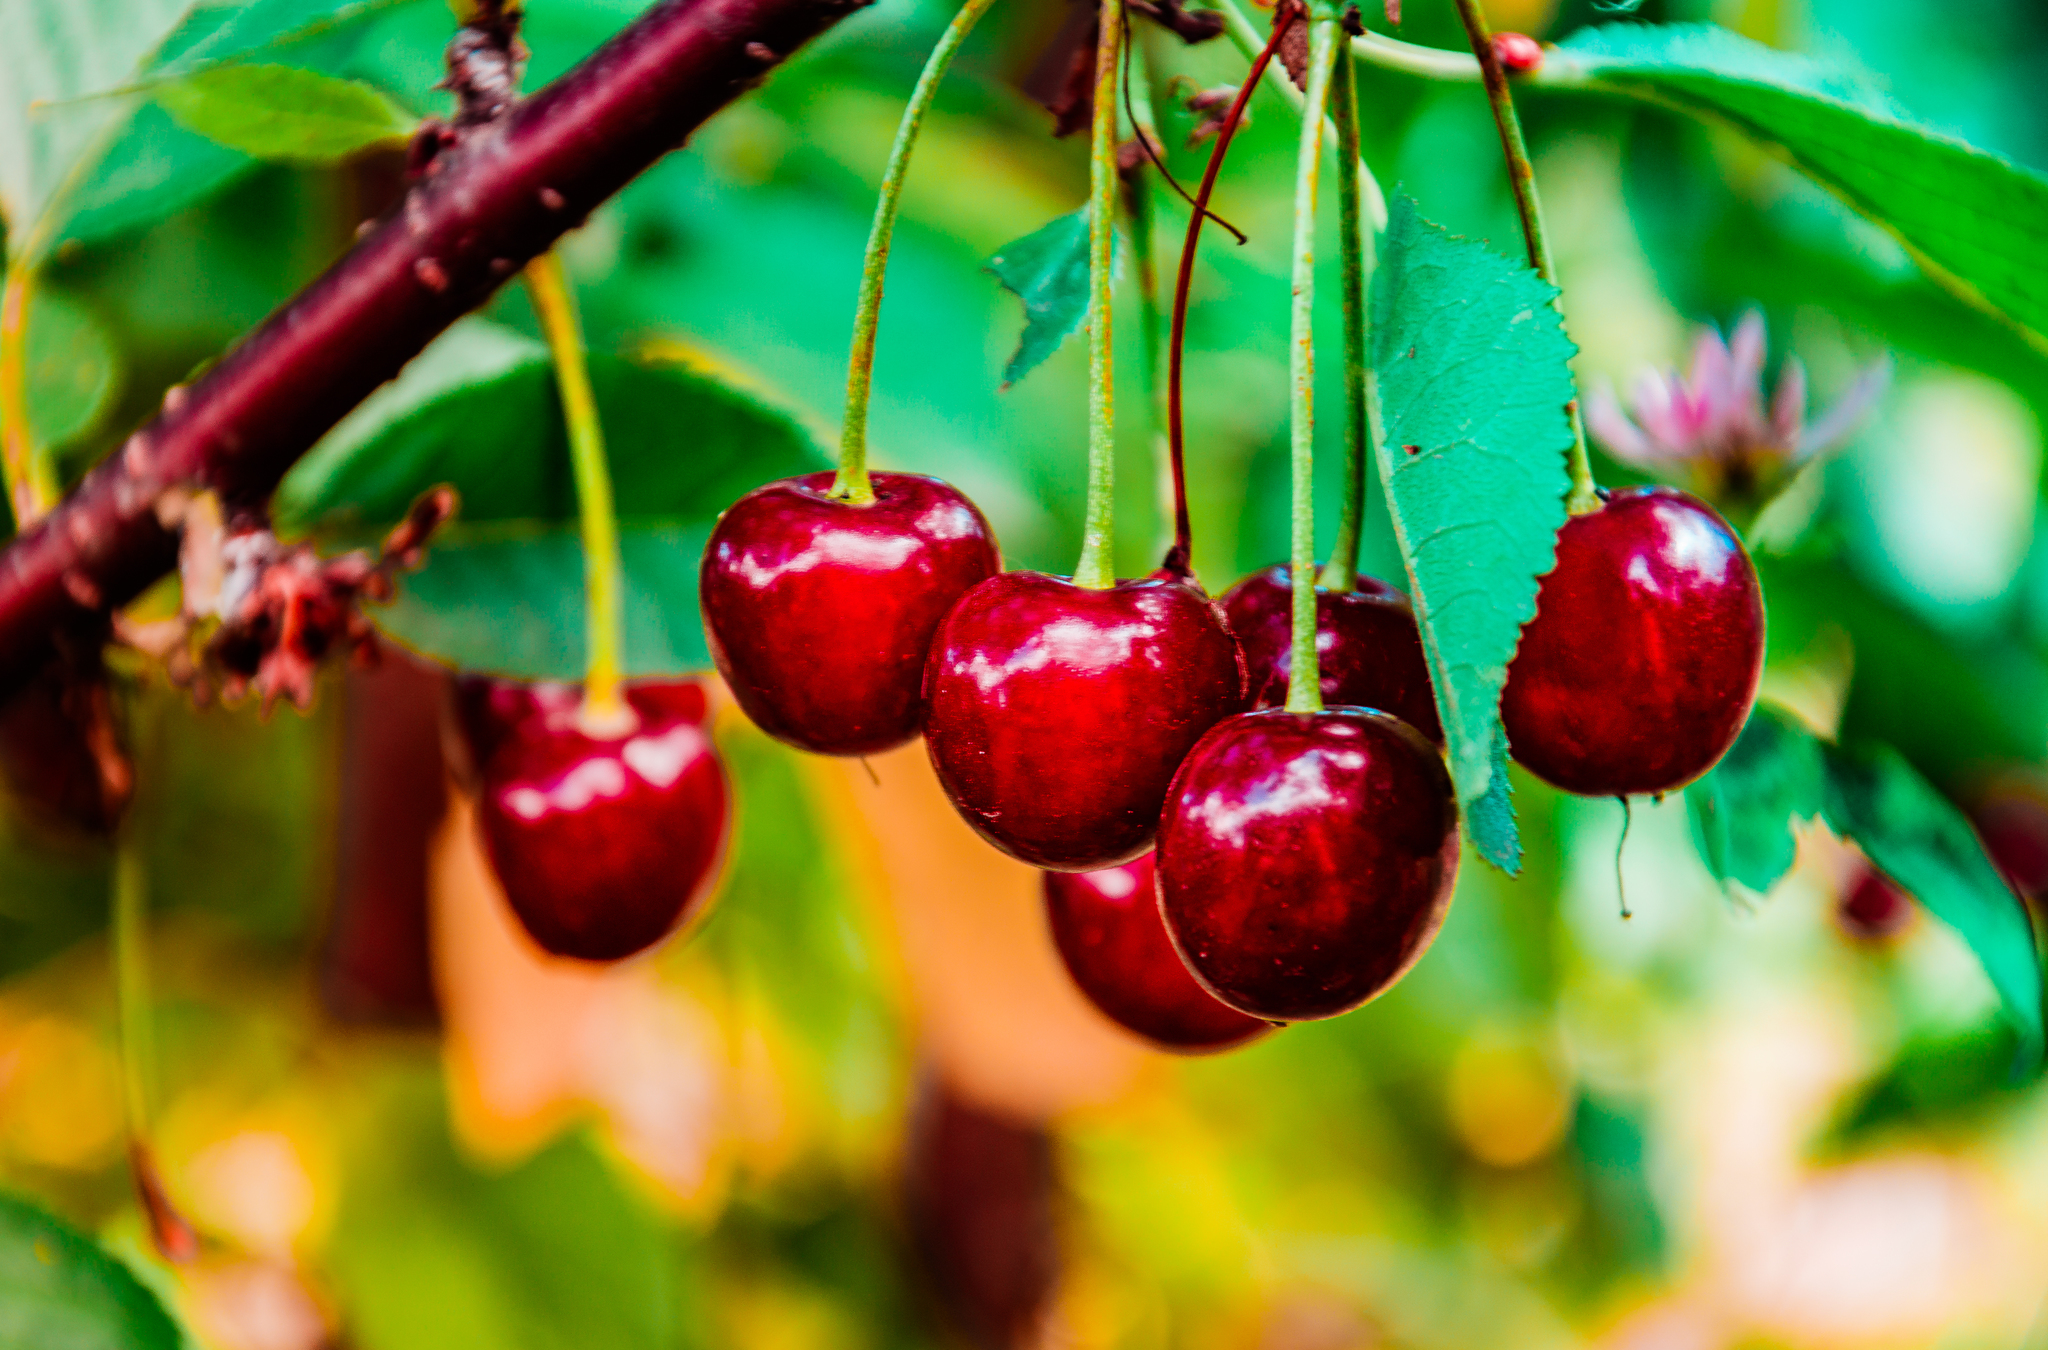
(1107, 927)
(1056, 715)
(604, 843)
(819, 612)
(1642, 661)
(1367, 646)
(1872, 908)
(1306, 860)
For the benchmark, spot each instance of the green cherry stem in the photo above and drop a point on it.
(1304, 683)
(1360, 418)
(852, 484)
(1097, 568)
(1584, 497)
(30, 478)
(604, 705)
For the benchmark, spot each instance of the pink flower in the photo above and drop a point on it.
(1714, 423)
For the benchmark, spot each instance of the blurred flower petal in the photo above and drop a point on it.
(1613, 429)
(1833, 428)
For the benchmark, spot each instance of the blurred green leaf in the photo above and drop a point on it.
(60, 1291)
(238, 30)
(285, 113)
(1048, 270)
(1470, 361)
(556, 1253)
(503, 589)
(1976, 221)
(1742, 812)
(511, 601)
(1917, 838)
(52, 56)
(73, 367)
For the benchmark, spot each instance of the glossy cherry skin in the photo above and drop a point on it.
(1643, 659)
(604, 843)
(1367, 646)
(1107, 927)
(1306, 859)
(819, 613)
(1056, 714)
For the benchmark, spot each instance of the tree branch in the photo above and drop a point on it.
(499, 196)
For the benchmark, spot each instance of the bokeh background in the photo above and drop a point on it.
(861, 1106)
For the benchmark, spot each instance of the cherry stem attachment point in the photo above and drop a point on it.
(1584, 495)
(1097, 568)
(852, 484)
(1340, 573)
(30, 478)
(604, 705)
(1304, 680)
(1176, 341)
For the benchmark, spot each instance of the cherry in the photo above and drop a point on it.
(1872, 908)
(1056, 714)
(604, 841)
(819, 612)
(1367, 646)
(1107, 927)
(1642, 661)
(1306, 859)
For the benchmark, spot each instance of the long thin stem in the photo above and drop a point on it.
(1139, 205)
(1176, 342)
(852, 484)
(603, 703)
(1341, 572)
(31, 480)
(1097, 567)
(129, 937)
(1522, 179)
(1247, 40)
(1304, 681)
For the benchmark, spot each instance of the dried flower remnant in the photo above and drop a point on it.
(268, 611)
(1713, 423)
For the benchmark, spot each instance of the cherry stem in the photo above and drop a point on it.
(31, 480)
(129, 939)
(1304, 681)
(1341, 572)
(603, 703)
(1097, 568)
(1138, 205)
(1176, 342)
(852, 484)
(1584, 496)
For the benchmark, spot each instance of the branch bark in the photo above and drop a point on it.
(499, 197)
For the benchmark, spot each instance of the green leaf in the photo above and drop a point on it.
(1048, 270)
(1742, 812)
(1470, 363)
(285, 113)
(503, 587)
(240, 30)
(51, 56)
(60, 1291)
(73, 368)
(1977, 222)
(1917, 838)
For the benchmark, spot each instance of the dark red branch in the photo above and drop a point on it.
(500, 196)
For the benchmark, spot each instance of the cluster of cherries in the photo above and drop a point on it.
(1214, 863)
